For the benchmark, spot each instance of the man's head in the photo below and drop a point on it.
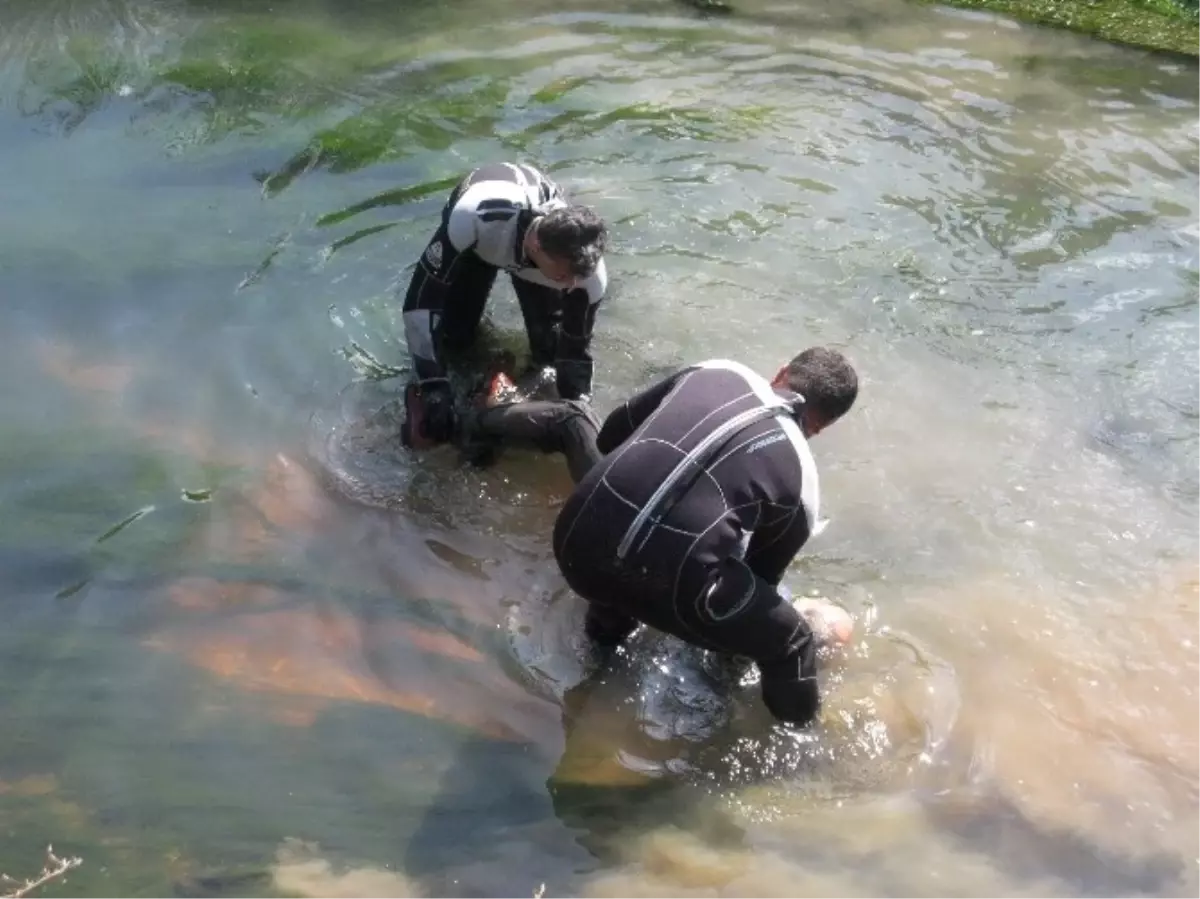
(566, 244)
(826, 380)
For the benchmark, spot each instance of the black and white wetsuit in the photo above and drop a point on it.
(701, 559)
(483, 230)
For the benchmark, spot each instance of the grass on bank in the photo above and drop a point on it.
(1163, 25)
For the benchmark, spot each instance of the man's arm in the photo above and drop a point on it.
(573, 362)
(789, 684)
(433, 281)
(628, 416)
(749, 617)
(775, 544)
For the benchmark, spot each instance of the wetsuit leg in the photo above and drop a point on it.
(541, 307)
(568, 427)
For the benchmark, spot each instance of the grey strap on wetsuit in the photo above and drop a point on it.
(675, 485)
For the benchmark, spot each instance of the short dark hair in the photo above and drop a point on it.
(826, 380)
(575, 234)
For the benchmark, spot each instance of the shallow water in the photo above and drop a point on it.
(252, 647)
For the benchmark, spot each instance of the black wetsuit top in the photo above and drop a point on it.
(702, 563)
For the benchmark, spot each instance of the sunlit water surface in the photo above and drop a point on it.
(251, 646)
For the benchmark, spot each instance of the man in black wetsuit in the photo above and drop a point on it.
(511, 217)
(690, 502)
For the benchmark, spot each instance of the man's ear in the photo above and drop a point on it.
(780, 377)
(814, 423)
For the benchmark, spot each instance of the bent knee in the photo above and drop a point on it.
(584, 410)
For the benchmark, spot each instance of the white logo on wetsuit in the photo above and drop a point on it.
(766, 441)
(433, 254)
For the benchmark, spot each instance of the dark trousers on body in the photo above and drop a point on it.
(552, 426)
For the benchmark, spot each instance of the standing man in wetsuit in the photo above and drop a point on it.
(690, 502)
(511, 217)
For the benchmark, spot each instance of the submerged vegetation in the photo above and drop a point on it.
(362, 96)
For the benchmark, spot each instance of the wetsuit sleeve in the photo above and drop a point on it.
(744, 615)
(461, 229)
(773, 546)
(627, 417)
(789, 675)
(433, 281)
(789, 685)
(573, 364)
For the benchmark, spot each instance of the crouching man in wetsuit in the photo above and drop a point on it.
(509, 217)
(690, 502)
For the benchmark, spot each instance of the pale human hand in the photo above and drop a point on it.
(832, 625)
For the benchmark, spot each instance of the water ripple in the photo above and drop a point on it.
(997, 223)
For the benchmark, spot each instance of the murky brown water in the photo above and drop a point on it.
(251, 647)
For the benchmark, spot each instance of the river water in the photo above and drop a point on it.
(252, 648)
